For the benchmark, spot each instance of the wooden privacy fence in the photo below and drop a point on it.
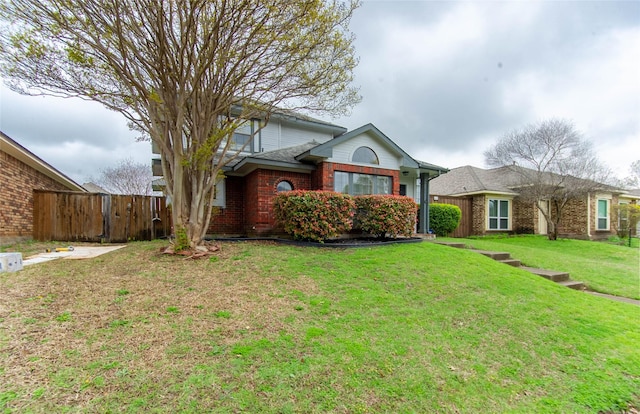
(73, 216)
(465, 228)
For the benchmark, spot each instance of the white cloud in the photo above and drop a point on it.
(444, 80)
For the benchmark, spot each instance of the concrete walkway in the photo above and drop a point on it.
(616, 298)
(82, 252)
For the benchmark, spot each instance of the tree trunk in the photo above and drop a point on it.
(552, 230)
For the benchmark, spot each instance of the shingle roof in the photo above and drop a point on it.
(469, 180)
(288, 154)
(503, 180)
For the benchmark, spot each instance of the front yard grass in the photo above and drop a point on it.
(278, 329)
(604, 267)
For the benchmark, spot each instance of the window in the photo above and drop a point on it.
(365, 155)
(219, 199)
(284, 186)
(239, 140)
(498, 214)
(361, 184)
(403, 189)
(603, 215)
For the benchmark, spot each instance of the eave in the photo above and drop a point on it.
(22, 154)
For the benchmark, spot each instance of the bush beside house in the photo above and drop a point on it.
(386, 216)
(322, 215)
(314, 215)
(444, 218)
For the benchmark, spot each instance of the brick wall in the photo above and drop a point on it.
(524, 219)
(249, 199)
(260, 191)
(230, 220)
(478, 221)
(249, 203)
(17, 182)
(573, 222)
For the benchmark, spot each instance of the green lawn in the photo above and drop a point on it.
(604, 267)
(281, 329)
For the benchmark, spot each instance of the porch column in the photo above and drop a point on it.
(424, 203)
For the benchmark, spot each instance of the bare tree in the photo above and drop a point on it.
(186, 74)
(127, 177)
(554, 164)
(633, 180)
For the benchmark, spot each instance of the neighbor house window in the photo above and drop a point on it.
(284, 186)
(603, 214)
(361, 184)
(498, 214)
(365, 155)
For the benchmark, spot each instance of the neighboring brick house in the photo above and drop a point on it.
(497, 208)
(21, 172)
(629, 197)
(294, 152)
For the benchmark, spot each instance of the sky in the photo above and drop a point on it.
(443, 79)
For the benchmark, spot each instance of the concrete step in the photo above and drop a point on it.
(494, 255)
(561, 278)
(452, 244)
(548, 274)
(573, 284)
(511, 262)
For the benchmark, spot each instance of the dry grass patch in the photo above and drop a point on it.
(75, 326)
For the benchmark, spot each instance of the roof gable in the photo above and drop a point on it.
(325, 150)
(22, 154)
(468, 180)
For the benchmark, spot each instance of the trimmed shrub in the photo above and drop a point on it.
(314, 215)
(385, 215)
(444, 218)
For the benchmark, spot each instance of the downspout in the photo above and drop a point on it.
(424, 202)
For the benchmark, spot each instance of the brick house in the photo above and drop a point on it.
(294, 152)
(497, 208)
(21, 172)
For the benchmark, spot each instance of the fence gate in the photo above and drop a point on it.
(74, 216)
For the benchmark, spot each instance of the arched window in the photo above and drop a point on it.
(365, 155)
(284, 186)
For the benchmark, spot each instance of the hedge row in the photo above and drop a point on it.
(321, 215)
(314, 215)
(384, 216)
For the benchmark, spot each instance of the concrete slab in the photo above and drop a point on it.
(81, 252)
(616, 298)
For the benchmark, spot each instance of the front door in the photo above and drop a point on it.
(542, 221)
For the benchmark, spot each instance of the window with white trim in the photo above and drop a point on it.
(361, 184)
(499, 214)
(603, 214)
